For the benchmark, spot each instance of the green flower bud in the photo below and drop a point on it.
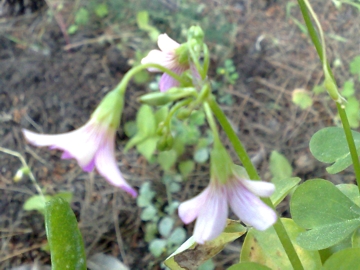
(183, 113)
(162, 144)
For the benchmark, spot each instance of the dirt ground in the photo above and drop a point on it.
(48, 89)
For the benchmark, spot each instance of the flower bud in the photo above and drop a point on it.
(21, 173)
(183, 113)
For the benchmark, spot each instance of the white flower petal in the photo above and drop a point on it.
(155, 57)
(189, 210)
(106, 165)
(211, 220)
(250, 209)
(259, 188)
(167, 44)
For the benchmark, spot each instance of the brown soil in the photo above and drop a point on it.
(45, 88)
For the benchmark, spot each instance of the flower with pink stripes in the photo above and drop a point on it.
(92, 145)
(168, 56)
(210, 207)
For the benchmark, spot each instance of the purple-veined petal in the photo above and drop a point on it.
(80, 144)
(167, 44)
(211, 220)
(106, 165)
(189, 210)
(167, 82)
(249, 208)
(259, 188)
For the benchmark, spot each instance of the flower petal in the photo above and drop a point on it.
(189, 210)
(106, 165)
(155, 57)
(167, 44)
(80, 144)
(250, 209)
(167, 82)
(211, 220)
(259, 188)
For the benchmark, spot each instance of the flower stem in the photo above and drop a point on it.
(350, 141)
(121, 87)
(321, 51)
(251, 170)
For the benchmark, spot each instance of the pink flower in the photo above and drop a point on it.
(92, 145)
(210, 207)
(167, 57)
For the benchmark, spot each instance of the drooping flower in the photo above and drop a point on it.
(169, 57)
(92, 145)
(210, 207)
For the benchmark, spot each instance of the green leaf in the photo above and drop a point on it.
(130, 128)
(146, 195)
(355, 65)
(65, 241)
(280, 167)
(330, 221)
(318, 89)
(167, 159)
(247, 266)
(186, 167)
(347, 259)
(352, 111)
(191, 255)
(146, 132)
(150, 231)
(197, 118)
(101, 10)
(36, 202)
(201, 155)
(208, 265)
(147, 147)
(82, 17)
(72, 29)
(161, 114)
(165, 226)
(302, 98)
(351, 191)
(264, 247)
(142, 19)
(177, 236)
(149, 213)
(329, 145)
(283, 188)
(348, 89)
(157, 247)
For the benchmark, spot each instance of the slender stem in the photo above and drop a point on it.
(211, 121)
(24, 164)
(121, 87)
(251, 170)
(341, 111)
(350, 141)
(239, 148)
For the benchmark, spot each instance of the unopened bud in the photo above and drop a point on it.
(155, 99)
(183, 113)
(169, 141)
(21, 173)
(162, 144)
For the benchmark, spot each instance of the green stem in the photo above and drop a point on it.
(121, 87)
(251, 170)
(350, 141)
(341, 111)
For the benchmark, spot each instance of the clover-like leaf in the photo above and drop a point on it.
(322, 208)
(329, 145)
(346, 259)
(264, 247)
